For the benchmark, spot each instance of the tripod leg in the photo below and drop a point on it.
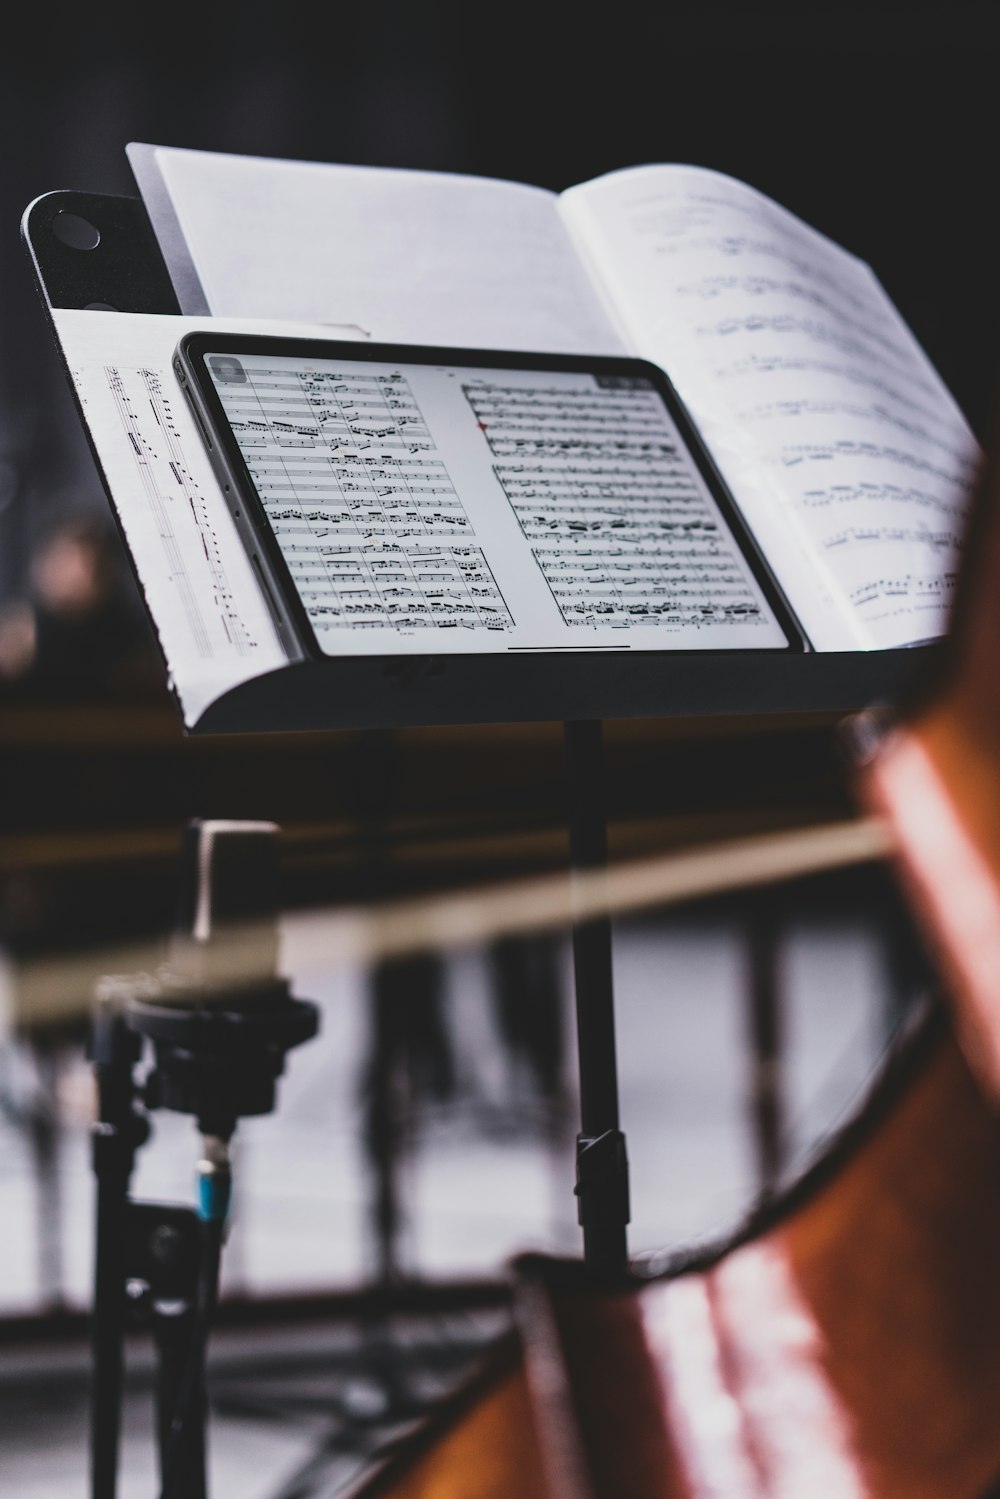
(119, 1131)
(182, 1425)
(109, 1309)
(174, 1331)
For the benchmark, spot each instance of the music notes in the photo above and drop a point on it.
(213, 625)
(360, 499)
(167, 480)
(401, 537)
(488, 509)
(616, 515)
(811, 392)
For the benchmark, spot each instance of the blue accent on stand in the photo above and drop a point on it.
(214, 1191)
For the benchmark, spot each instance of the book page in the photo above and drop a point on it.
(849, 458)
(395, 256)
(213, 625)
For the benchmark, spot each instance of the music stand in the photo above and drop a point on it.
(125, 272)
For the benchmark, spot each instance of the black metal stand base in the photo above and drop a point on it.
(217, 1056)
(154, 1249)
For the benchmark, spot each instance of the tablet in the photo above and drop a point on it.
(398, 500)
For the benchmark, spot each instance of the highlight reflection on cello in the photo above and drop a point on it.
(847, 1342)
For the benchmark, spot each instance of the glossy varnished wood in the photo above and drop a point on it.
(480, 1444)
(847, 1344)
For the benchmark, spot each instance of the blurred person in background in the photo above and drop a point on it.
(80, 629)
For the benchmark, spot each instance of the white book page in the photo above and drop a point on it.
(214, 628)
(396, 256)
(849, 458)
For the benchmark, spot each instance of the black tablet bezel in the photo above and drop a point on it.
(232, 469)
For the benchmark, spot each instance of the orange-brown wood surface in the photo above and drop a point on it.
(896, 1267)
(488, 1451)
(847, 1346)
(850, 1349)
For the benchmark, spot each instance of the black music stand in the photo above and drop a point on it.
(122, 269)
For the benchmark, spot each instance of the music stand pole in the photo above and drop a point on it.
(601, 1161)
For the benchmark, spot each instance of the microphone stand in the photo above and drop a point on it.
(217, 1055)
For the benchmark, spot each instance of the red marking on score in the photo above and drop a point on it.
(481, 426)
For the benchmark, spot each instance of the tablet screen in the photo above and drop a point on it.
(425, 507)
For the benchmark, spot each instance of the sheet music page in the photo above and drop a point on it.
(425, 508)
(214, 627)
(395, 256)
(849, 458)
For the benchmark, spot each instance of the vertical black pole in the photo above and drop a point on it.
(766, 1039)
(601, 1161)
(174, 1333)
(108, 1313)
(44, 1133)
(116, 1135)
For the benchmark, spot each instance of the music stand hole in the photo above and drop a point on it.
(75, 231)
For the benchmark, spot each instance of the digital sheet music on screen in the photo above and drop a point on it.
(423, 507)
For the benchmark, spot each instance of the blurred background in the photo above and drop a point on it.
(427, 1134)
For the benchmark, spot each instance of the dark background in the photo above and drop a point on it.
(877, 123)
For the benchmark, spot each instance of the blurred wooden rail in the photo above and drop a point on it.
(98, 793)
(58, 987)
(110, 768)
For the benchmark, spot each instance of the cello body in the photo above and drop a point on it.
(846, 1343)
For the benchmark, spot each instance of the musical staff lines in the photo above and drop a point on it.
(167, 481)
(869, 493)
(612, 507)
(810, 391)
(742, 228)
(361, 502)
(842, 376)
(955, 476)
(916, 593)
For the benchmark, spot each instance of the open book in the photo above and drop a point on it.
(845, 453)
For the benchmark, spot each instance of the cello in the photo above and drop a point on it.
(845, 1342)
